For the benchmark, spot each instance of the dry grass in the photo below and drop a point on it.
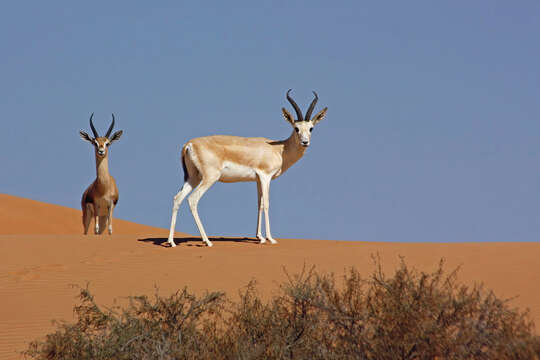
(410, 315)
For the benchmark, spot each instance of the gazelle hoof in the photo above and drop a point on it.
(171, 243)
(261, 238)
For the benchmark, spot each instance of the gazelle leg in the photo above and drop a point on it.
(177, 201)
(96, 219)
(259, 235)
(111, 208)
(103, 220)
(193, 201)
(87, 217)
(265, 183)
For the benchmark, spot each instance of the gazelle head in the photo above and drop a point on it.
(303, 126)
(101, 143)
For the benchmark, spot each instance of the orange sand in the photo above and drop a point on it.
(42, 253)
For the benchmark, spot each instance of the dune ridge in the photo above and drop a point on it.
(25, 216)
(42, 256)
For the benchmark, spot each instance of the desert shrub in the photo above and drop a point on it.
(173, 327)
(285, 327)
(410, 315)
(416, 315)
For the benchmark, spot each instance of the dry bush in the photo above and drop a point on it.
(410, 315)
(173, 327)
(415, 315)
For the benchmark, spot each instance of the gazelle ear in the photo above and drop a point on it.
(116, 136)
(86, 137)
(320, 115)
(288, 116)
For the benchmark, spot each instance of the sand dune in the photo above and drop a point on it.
(43, 254)
(24, 216)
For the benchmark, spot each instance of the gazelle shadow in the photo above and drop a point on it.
(163, 242)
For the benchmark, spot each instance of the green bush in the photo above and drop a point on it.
(411, 315)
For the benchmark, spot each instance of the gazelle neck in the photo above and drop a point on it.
(102, 168)
(292, 151)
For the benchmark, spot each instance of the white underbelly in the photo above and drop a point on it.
(232, 172)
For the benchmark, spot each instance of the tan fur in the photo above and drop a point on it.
(268, 156)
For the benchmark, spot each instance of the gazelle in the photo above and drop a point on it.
(99, 199)
(206, 160)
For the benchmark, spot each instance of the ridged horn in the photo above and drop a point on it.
(299, 116)
(92, 127)
(110, 127)
(310, 110)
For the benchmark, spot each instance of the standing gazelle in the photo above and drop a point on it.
(206, 160)
(101, 196)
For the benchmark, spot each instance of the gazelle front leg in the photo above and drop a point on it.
(259, 235)
(265, 184)
(96, 219)
(87, 217)
(110, 208)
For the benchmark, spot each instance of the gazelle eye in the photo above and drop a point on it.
(297, 129)
(310, 129)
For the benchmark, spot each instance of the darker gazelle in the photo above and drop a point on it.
(99, 199)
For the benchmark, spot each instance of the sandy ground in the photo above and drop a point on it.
(43, 254)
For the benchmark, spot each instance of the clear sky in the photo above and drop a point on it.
(432, 132)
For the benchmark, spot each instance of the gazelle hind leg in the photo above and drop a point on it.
(193, 201)
(177, 201)
(260, 202)
(265, 184)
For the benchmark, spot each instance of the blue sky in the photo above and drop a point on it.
(432, 132)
